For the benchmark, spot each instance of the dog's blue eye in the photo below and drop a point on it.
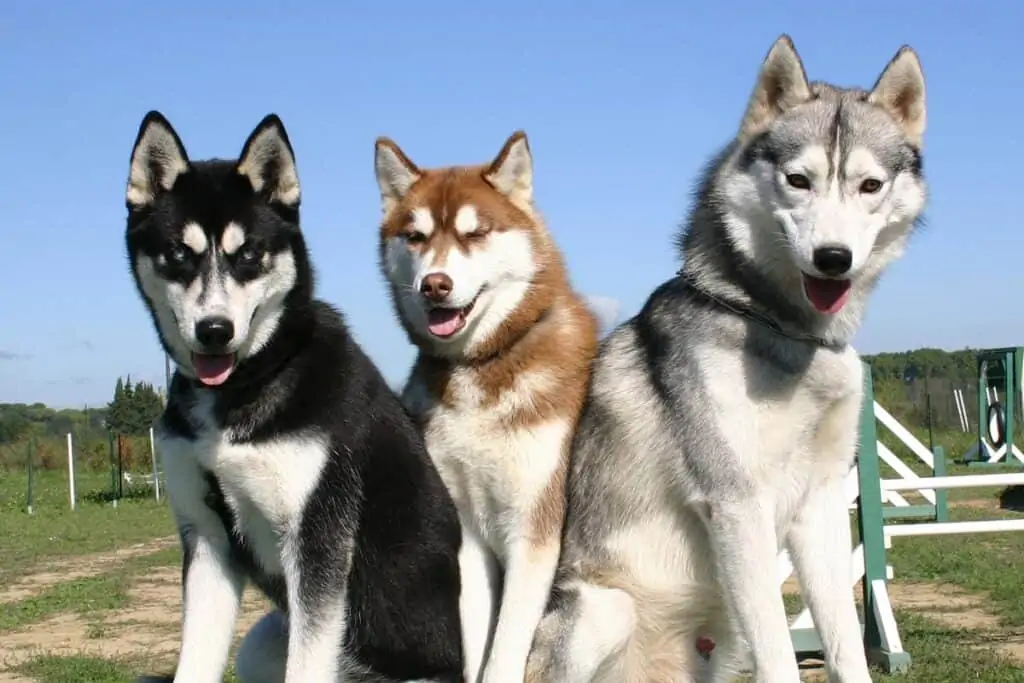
(177, 254)
(247, 255)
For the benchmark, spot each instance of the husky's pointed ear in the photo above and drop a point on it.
(781, 85)
(900, 91)
(511, 172)
(395, 172)
(158, 158)
(268, 161)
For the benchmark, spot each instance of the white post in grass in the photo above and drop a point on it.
(156, 471)
(71, 471)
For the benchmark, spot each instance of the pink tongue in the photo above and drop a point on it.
(827, 296)
(443, 322)
(213, 369)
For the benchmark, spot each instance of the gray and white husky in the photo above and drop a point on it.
(723, 418)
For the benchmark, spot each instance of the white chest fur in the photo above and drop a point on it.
(265, 484)
(494, 469)
(774, 424)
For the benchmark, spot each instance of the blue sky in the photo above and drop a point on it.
(623, 102)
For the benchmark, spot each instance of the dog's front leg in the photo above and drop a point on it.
(743, 536)
(819, 543)
(212, 594)
(317, 612)
(529, 572)
(212, 583)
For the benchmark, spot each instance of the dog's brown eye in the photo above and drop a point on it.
(799, 181)
(871, 185)
(415, 237)
(477, 234)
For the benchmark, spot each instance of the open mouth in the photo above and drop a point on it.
(213, 369)
(447, 322)
(826, 295)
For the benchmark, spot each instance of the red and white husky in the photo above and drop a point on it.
(505, 347)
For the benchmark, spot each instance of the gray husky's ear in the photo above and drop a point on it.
(900, 91)
(781, 85)
(395, 172)
(158, 158)
(268, 161)
(511, 172)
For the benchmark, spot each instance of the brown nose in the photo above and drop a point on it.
(436, 286)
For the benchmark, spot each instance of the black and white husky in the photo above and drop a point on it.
(289, 461)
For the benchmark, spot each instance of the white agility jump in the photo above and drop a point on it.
(878, 500)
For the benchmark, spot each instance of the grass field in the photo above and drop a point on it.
(94, 595)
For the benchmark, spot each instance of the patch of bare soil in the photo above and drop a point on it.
(79, 567)
(147, 628)
(948, 605)
(944, 604)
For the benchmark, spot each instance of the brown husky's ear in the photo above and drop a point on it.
(158, 158)
(268, 161)
(781, 85)
(511, 172)
(395, 172)
(900, 91)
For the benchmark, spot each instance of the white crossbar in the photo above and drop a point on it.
(904, 435)
(907, 474)
(964, 481)
(950, 528)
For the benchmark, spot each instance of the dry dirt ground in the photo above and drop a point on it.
(943, 603)
(148, 627)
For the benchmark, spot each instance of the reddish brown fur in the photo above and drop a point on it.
(552, 329)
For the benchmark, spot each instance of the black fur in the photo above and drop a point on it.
(379, 495)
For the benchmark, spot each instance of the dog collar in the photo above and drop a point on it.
(748, 313)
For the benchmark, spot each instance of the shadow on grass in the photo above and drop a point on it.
(1012, 498)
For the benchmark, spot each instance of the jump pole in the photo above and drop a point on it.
(71, 471)
(881, 636)
(156, 472)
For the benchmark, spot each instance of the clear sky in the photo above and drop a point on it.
(622, 102)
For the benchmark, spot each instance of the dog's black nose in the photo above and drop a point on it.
(833, 261)
(215, 332)
(436, 287)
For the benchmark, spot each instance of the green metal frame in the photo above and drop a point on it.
(1012, 360)
(870, 520)
(871, 516)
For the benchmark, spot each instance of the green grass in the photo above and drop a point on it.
(54, 531)
(78, 669)
(987, 565)
(943, 655)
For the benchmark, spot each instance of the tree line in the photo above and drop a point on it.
(131, 411)
(907, 383)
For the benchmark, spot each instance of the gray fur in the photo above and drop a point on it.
(722, 418)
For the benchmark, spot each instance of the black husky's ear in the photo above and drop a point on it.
(781, 85)
(268, 161)
(158, 158)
